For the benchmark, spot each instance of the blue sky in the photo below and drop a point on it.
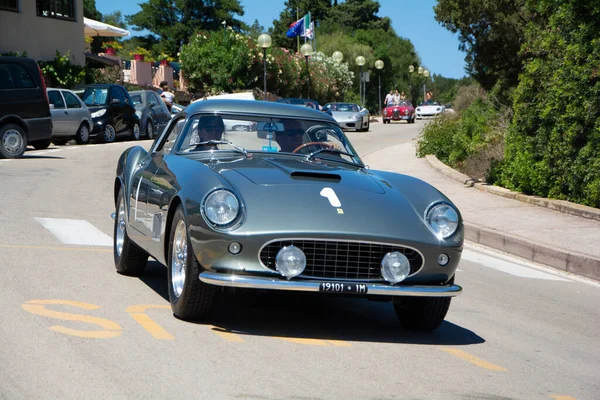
(414, 20)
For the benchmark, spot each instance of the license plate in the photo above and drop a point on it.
(332, 287)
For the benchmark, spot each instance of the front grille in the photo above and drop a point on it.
(396, 113)
(341, 259)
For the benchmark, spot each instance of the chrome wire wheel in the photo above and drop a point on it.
(179, 258)
(12, 141)
(120, 231)
(109, 133)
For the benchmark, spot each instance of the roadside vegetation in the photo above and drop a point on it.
(534, 124)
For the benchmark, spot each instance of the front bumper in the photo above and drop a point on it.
(398, 118)
(257, 282)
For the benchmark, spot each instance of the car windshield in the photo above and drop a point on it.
(95, 96)
(344, 107)
(215, 135)
(136, 98)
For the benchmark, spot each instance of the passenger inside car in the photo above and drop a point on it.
(209, 127)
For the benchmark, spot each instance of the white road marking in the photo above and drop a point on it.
(76, 231)
(510, 267)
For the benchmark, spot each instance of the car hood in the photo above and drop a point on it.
(291, 194)
(401, 108)
(93, 109)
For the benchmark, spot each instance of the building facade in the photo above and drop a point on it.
(41, 27)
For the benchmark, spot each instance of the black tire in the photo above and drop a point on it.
(196, 299)
(132, 259)
(41, 144)
(60, 142)
(149, 130)
(367, 128)
(83, 134)
(16, 143)
(422, 314)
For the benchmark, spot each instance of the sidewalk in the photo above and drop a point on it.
(539, 234)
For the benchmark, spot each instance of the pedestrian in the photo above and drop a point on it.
(167, 96)
(402, 96)
(388, 98)
(396, 98)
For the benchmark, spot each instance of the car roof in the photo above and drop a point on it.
(257, 108)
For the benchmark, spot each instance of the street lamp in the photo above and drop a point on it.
(306, 51)
(337, 56)
(360, 61)
(264, 41)
(379, 66)
(426, 75)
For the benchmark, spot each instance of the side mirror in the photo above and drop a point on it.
(115, 101)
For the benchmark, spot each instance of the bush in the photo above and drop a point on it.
(61, 73)
(552, 147)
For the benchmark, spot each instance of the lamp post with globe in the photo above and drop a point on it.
(306, 51)
(264, 41)
(360, 61)
(379, 66)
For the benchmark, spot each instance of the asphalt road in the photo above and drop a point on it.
(72, 328)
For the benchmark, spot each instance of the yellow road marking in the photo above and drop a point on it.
(137, 312)
(15, 246)
(560, 397)
(110, 329)
(312, 342)
(340, 343)
(226, 335)
(473, 360)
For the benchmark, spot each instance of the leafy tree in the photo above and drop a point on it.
(352, 15)
(255, 30)
(90, 11)
(115, 18)
(293, 11)
(491, 33)
(175, 21)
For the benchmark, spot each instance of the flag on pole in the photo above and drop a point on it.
(310, 32)
(299, 27)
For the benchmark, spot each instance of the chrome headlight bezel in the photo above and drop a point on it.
(436, 231)
(233, 222)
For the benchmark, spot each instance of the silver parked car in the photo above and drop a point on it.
(349, 115)
(71, 119)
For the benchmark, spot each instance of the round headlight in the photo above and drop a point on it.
(290, 261)
(395, 267)
(443, 220)
(221, 207)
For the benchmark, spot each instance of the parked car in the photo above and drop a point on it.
(429, 109)
(70, 117)
(112, 111)
(176, 109)
(290, 206)
(403, 111)
(24, 109)
(151, 110)
(349, 115)
(304, 102)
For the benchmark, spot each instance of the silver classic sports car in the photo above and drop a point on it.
(349, 116)
(286, 206)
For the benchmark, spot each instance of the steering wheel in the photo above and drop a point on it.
(324, 144)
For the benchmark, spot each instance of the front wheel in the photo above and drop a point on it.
(130, 259)
(13, 141)
(191, 299)
(136, 131)
(110, 134)
(424, 314)
(83, 134)
(149, 130)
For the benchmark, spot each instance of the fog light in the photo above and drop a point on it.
(443, 259)
(290, 261)
(395, 267)
(235, 248)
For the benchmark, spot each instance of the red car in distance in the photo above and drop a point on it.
(402, 111)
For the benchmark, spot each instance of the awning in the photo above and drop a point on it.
(100, 61)
(97, 28)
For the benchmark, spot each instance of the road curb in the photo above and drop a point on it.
(557, 205)
(572, 262)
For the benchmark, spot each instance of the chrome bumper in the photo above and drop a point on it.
(256, 282)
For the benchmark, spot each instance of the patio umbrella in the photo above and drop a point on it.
(97, 28)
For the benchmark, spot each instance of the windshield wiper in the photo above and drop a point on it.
(237, 148)
(334, 151)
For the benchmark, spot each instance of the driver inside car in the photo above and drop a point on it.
(292, 136)
(210, 127)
